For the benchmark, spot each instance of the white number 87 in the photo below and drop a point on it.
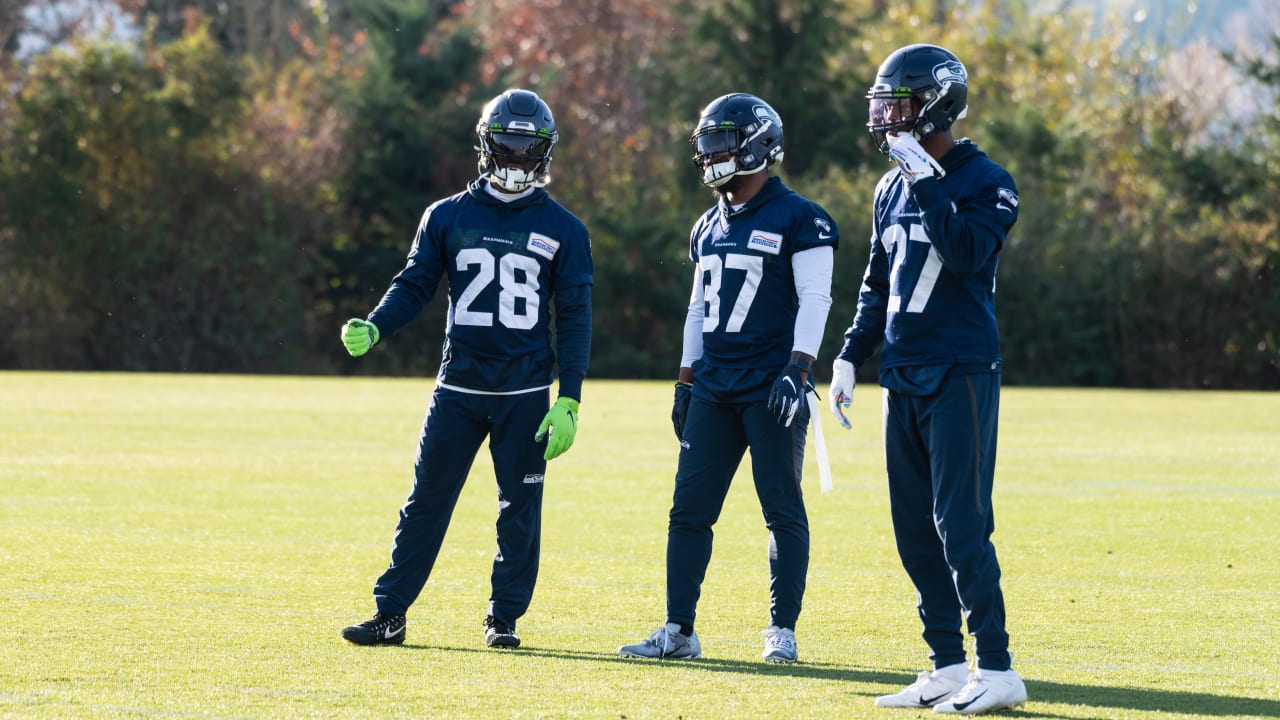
(714, 268)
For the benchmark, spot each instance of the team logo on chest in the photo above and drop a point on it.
(765, 242)
(542, 245)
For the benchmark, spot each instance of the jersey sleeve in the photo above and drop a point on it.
(415, 285)
(967, 232)
(866, 332)
(573, 311)
(813, 227)
(694, 234)
(574, 266)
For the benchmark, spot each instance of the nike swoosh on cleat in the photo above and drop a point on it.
(390, 633)
(962, 706)
(930, 701)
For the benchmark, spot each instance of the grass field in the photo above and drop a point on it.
(189, 546)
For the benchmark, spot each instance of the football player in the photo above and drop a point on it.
(761, 291)
(508, 249)
(939, 219)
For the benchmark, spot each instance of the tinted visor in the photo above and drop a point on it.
(519, 147)
(714, 142)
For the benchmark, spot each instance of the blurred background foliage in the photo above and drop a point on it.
(202, 185)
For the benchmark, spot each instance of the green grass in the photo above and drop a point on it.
(189, 546)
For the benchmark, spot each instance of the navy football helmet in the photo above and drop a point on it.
(737, 134)
(516, 132)
(920, 89)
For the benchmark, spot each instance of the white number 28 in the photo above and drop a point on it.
(512, 289)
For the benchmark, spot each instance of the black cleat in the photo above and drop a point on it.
(498, 635)
(381, 630)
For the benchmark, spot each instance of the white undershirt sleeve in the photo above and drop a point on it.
(693, 321)
(812, 271)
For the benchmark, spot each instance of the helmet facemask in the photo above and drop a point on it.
(891, 113)
(515, 161)
(715, 152)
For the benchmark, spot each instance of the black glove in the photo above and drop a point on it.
(680, 408)
(786, 400)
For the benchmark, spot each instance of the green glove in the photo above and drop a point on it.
(359, 335)
(562, 419)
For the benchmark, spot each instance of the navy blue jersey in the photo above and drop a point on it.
(749, 289)
(929, 287)
(505, 261)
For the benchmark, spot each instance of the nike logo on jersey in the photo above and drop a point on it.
(824, 228)
(1008, 200)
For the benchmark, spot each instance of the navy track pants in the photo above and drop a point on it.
(716, 437)
(940, 453)
(455, 425)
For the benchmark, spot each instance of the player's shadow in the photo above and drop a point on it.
(1143, 700)
(820, 671)
(1090, 696)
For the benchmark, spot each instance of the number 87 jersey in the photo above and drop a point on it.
(505, 261)
(748, 286)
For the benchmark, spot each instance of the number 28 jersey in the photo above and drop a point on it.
(505, 261)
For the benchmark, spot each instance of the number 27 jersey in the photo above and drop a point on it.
(929, 288)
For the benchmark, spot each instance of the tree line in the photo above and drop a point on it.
(192, 185)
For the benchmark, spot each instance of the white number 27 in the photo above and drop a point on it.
(924, 284)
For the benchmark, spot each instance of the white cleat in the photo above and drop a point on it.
(929, 689)
(986, 691)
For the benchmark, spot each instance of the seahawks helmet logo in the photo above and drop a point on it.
(950, 71)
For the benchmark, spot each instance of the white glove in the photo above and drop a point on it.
(913, 160)
(841, 389)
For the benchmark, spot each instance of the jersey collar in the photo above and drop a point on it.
(773, 187)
